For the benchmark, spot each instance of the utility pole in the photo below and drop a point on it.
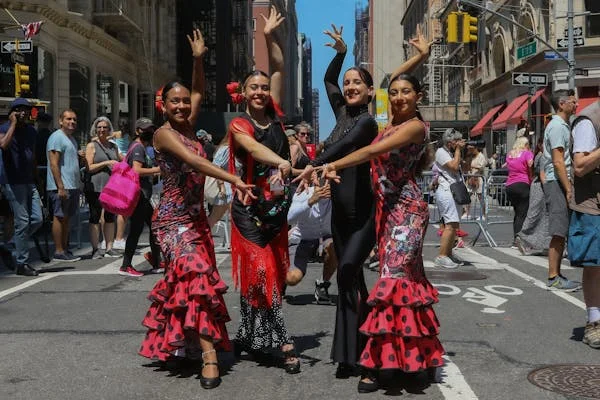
(571, 45)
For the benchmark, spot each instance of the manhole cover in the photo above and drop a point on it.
(569, 379)
(455, 275)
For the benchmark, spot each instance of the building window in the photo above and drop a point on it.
(104, 96)
(79, 100)
(592, 22)
(45, 77)
(253, 24)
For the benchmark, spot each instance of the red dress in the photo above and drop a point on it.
(401, 327)
(189, 298)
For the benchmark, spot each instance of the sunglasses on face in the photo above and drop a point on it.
(302, 134)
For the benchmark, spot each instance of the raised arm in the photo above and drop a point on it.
(276, 57)
(6, 137)
(198, 82)
(334, 93)
(422, 45)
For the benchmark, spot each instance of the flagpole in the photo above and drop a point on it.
(12, 16)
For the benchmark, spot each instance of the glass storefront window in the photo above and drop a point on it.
(104, 96)
(79, 100)
(125, 107)
(45, 78)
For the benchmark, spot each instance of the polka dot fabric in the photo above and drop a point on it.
(188, 300)
(402, 327)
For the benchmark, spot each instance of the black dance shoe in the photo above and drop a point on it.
(26, 270)
(210, 383)
(368, 387)
(291, 367)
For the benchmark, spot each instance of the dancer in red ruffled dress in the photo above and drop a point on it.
(402, 327)
(188, 314)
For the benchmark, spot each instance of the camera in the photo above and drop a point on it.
(480, 143)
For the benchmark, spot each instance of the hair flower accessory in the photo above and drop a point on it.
(235, 91)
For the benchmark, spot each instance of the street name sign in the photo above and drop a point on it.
(527, 50)
(581, 71)
(17, 58)
(527, 79)
(577, 31)
(552, 55)
(564, 42)
(25, 46)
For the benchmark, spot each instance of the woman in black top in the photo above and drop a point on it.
(353, 212)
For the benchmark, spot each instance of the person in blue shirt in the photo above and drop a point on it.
(17, 140)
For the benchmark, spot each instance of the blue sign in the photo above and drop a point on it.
(552, 55)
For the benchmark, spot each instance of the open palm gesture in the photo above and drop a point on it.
(420, 42)
(275, 19)
(197, 43)
(338, 43)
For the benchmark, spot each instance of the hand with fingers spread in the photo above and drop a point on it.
(420, 43)
(329, 173)
(338, 42)
(273, 21)
(244, 191)
(197, 43)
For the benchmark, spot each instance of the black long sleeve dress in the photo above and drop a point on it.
(353, 216)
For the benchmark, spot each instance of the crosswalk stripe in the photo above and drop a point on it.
(454, 385)
(535, 260)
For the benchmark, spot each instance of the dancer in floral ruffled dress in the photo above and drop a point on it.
(401, 327)
(188, 314)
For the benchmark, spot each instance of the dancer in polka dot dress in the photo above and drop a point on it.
(187, 316)
(402, 327)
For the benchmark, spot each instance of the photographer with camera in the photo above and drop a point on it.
(448, 162)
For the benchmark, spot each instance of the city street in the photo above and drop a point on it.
(73, 333)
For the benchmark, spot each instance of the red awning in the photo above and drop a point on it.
(500, 122)
(583, 103)
(522, 111)
(478, 128)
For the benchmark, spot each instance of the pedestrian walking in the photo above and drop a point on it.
(353, 213)
(519, 162)
(557, 188)
(401, 326)
(140, 161)
(62, 182)
(448, 163)
(18, 143)
(534, 237)
(584, 228)
(187, 316)
(259, 245)
(100, 155)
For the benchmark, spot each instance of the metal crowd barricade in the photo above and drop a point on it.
(489, 204)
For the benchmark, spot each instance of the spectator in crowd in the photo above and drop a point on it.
(557, 188)
(493, 161)
(17, 140)
(62, 185)
(140, 161)
(310, 213)
(584, 241)
(533, 237)
(221, 202)
(448, 163)
(519, 162)
(206, 140)
(100, 155)
(298, 151)
(475, 183)
(122, 139)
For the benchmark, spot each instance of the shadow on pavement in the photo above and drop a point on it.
(577, 334)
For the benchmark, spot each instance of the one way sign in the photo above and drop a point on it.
(564, 42)
(25, 46)
(527, 79)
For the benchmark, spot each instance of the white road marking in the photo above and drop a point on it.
(453, 385)
(535, 260)
(536, 282)
(25, 285)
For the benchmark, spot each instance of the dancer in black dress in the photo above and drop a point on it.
(353, 213)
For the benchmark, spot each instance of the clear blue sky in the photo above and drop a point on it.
(314, 16)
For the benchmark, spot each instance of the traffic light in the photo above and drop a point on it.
(21, 79)
(469, 28)
(452, 28)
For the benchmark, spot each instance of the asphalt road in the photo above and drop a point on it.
(73, 333)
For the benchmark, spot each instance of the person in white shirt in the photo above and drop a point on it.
(310, 212)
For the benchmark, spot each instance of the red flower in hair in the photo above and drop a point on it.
(158, 101)
(235, 91)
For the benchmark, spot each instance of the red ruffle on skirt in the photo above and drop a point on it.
(402, 326)
(189, 297)
(259, 271)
